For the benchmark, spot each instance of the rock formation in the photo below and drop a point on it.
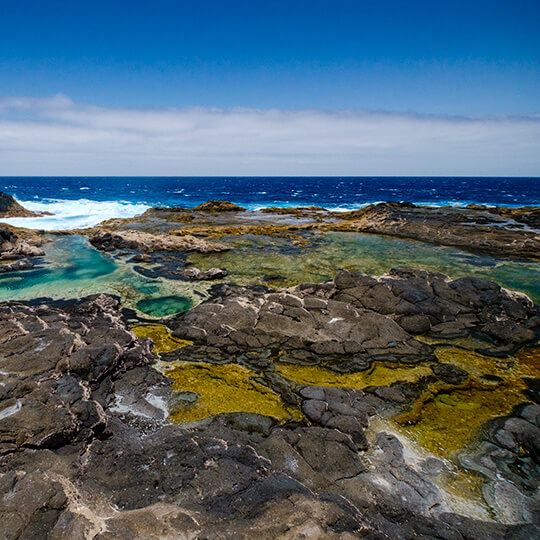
(9, 207)
(86, 451)
(149, 243)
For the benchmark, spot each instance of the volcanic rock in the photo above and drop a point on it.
(148, 243)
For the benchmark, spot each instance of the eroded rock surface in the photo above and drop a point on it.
(86, 450)
(148, 243)
(17, 253)
(479, 229)
(356, 319)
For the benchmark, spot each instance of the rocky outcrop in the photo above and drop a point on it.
(219, 206)
(528, 215)
(12, 246)
(211, 274)
(86, 452)
(9, 208)
(486, 231)
(355, 319)
(149, 243)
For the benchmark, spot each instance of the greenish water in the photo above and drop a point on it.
(255, 257)
(163, 306)
(73, 268)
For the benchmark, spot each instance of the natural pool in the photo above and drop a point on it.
(284, 263)
(72, 268)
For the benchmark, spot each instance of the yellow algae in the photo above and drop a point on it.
(161, 336)
(512, 369)
(463, 489)
(445, 419)
(379, 375)
(224, 389)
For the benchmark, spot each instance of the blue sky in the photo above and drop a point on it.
(446, 60)
(455, 57)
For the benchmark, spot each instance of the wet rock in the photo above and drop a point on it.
(206, 275)
(465, 228)
(449, 373)
(17, 266)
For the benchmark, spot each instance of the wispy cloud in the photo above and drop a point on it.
(55, 136)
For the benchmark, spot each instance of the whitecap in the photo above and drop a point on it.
(74, 214)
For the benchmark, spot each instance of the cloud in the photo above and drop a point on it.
(56, 136)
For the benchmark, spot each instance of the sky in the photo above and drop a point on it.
(270, 87)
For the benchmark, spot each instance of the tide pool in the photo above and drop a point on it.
(72, 268)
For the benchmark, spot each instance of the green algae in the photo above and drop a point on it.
(253, 257)
(161, 336)
(222, 389)
(378, 375)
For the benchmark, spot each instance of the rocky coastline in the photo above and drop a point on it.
(403, 405)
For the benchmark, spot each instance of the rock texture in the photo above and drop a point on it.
(219, 206)
(475, 228)
(148, 243)
(85, 451)
(12, 246)
(356, 319)
(9, 207)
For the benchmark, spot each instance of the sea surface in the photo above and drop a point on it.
(84, 201)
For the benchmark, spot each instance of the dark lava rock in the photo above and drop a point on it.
(86, 450)
(466, 228)
(449, 373)
(353, 320)
(9, 207)
(16, 266)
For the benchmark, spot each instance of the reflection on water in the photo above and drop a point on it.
(284, 264)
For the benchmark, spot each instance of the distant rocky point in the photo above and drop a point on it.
(9, 207)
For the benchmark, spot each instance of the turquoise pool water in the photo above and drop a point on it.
(73, 268)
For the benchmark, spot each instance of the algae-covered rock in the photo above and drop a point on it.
(219, 206)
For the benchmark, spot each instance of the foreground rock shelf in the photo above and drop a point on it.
(343, 373)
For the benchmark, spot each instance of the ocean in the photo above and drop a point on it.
(84, 201)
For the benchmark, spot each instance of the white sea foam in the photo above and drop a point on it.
(74, 214)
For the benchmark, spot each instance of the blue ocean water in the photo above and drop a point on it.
(84, 201)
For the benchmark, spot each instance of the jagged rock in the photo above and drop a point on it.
(206, 275)
(13, 246)
(354, 319)
(9, 207)
(467, 228)
(85, 449)
(16, 266)
(148, 243)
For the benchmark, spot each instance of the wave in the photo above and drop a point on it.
(74, 214)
